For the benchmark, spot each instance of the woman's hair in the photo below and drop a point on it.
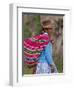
(47, 22)
(42, 30)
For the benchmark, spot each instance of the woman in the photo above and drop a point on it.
(46, 64)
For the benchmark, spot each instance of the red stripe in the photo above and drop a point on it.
(30, 62)
(31, 43)
(31, 55)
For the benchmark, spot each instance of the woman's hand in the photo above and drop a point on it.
(52, 68)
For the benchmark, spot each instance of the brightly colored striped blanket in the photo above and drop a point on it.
(33, 47)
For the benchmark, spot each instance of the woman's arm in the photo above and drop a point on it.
(49, 58)
(48, 53)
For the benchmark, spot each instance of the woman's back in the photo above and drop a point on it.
(46, 55)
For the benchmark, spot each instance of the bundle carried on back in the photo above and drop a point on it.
(33, 47)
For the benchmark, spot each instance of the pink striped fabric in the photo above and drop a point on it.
(37, 44)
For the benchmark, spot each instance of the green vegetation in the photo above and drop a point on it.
(37, 24)
(59, 63)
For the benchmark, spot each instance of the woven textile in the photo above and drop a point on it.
(33, 47)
